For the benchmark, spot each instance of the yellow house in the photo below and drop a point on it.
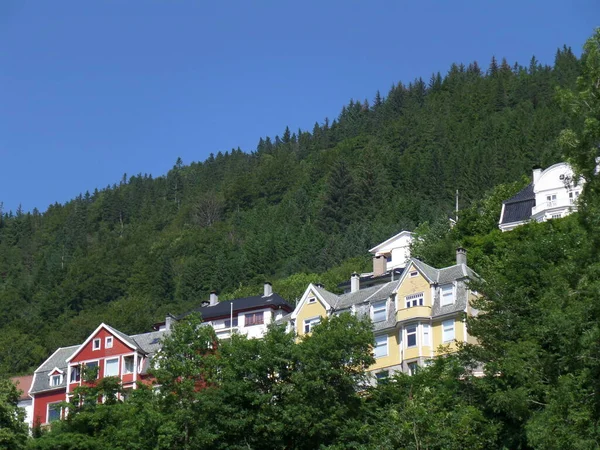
(415, 318)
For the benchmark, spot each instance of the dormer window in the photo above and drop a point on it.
(379, 311)
(55, 380)
(447, 294)
(96, 344)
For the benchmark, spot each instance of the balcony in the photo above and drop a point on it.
(414, 312)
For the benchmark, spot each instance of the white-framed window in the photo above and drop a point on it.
(257, 318)
(108, 342)
(75, 374)
(447, 294)
(92, 365)
(426, 334)
(111, 367)
(414, 300)
(96, 343)
(573, 196)
(379, 311)
(413, 368)
(551, 200)
(556, 216)
(227, 322)
(312, 300)
(53, 412)
(448, 330)
(413, 273)
(55, 380)
(128, 364)
(309, 324)
(411, 336)
(381, 346)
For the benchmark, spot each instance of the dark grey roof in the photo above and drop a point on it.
(446, 274)
(223, 309)
(41, 379)
(149, 342)
(518, 207)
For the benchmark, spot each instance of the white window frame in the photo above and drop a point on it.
(108, 342)
(75, 374)
(381, 343)
(96, 344)
(426, 333)
(444, 298)
(416, 332)
(97, 361)
(311, 300)
(48, 412)
(310, 323)
(106, 367)
(377, 308)
(413, 273)
(124, 364)
(448, 326)
(254, 314)
(551, 200)
(53, 377)
(413, 300)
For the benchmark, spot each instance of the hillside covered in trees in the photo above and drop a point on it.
(304, 206)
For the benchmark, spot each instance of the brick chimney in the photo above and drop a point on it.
(214, 298)
(354, 282)
(379, 265)
(268, 289)
(461, 256)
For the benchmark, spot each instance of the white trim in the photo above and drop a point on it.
(310, 289)
(378, 246)
(93, 335)
(106, 365)
(48, 411)
(94, 341)
(310, 320)
(56, 369)
(387, 345)
(112, 341)
(124, 366)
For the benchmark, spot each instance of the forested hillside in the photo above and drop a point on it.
(304, 202)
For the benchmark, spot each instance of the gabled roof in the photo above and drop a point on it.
(23, 384)
(518, 207)
(326, 298)
(121, 336)
(393, 238)
(445, 274)
(223, 309)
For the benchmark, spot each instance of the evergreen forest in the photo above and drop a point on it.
(306, 206)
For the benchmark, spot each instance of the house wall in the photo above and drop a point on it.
(27, 405)
(459, 335)
(413, 285)
(88, 354)
(40, 404)
(393, 358)
(308, 311)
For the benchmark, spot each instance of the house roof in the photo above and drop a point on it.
(518, 207)
(446, 274)
(392, 239)
(41, 381)
(369, 278)
(23, 384)
(223, 309)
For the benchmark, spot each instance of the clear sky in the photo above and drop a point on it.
(90, 90)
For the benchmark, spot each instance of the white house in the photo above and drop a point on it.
(552, 194)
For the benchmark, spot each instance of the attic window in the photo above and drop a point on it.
(414, 273)
(108, 343)
(96, 344)
(312, 300)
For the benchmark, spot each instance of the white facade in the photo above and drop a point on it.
(27, 405)
(396, 250)
(556, 192)
(253, 323)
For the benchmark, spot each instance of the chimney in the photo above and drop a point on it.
(537, 172)
(214, 298)
(268, 289)
(319, 285)
(354, 282)
(461, 256)
(169, 322)
(379, 265)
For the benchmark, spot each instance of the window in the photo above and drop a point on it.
(573, 196)
(448, 330)
(379, 311)
(128, 366)
(426, 334)
(91, 368)
(228, 322)
(447, 295)
(381, 346)
(413, 274)
(55, 380)
(108, 342)
(53, 412)
(255, 319)
(312, 300)
(96, 344)
(382, 377)
(411, 336)
(111, 367)
(413, 368)
(556, 216)
(551, 200)
(75, 374)
(309, 324)
(414, 300)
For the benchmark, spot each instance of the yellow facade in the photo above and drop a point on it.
(410, 286)
(393, 355)
(459, 335)
(309, 311)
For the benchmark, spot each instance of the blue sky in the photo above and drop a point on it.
(90, 90)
